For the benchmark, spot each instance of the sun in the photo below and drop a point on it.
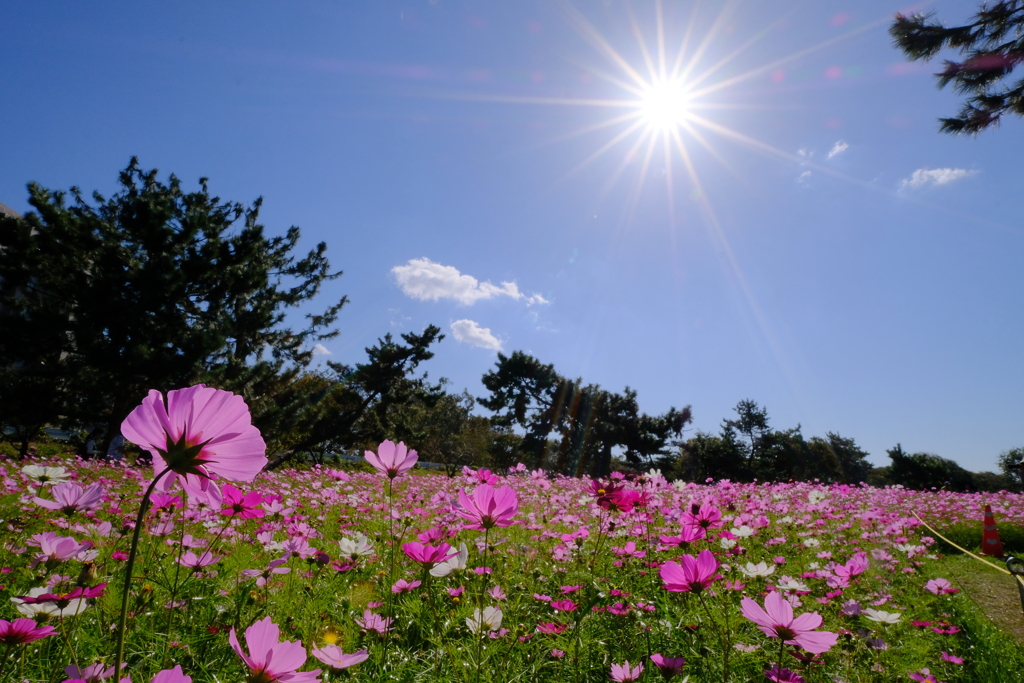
(664, 105)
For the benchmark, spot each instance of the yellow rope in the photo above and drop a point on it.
(994, 566)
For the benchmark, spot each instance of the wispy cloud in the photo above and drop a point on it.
(425, 280)
(838, 148)
(470, 332)
(321, 350)
(934, 176)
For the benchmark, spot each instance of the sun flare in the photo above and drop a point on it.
(664, 105)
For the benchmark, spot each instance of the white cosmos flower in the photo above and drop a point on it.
(45, 475)
(816, 496)
(74, 607)
(727, 543)
(742, 531)
(793, 585)
(811, 543)
(455, 563)
(491, 618)
(880, 616)
(760, 569)
(355, 546)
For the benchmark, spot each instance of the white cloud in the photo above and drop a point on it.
(803, 177)
(536, 299)
(838, 148)
(470, 332)
(934, 176)
(321, 350)
(425, 280)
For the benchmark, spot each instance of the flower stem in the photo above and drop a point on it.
(122, 622)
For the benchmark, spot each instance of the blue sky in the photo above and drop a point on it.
(808, 240)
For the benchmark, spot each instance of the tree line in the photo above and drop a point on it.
(159, 288)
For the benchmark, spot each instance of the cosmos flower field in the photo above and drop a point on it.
(381, 573)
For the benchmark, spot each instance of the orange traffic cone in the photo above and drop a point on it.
(990, 543)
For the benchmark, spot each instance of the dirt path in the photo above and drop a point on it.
(995, 594)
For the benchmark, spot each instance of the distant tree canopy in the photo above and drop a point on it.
(153, 288)
(747, 448)
(570, 426)
(992, 46)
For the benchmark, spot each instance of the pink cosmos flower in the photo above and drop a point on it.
(21, 631)
(69, 498)
(552, 628)
(668, 666)
(94, 673)
(174, 675)
(54, 548)
(694, 575)
(489, 507)
(191, 560)
(689, 534)
(623, 672)
(199, 433)
(940, 587)
(705, 516)
(776, 621)
(428, 555)
(375, 622)
(263, 576)
(952, 659)
(238, 504)
(332, 656)
(391, 460)
(403, 586)
(924, 675)
(565, 605)
(271, 661)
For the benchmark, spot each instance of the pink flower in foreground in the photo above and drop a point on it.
(668, 666)
(332, 656)
(200, 432)
(21, 631)
(174, 675)
(238, 504)
(428, 555)
(952, 659)
(488, 507)
(776, 621)
(624, 672)
(391, 460)
(271, 661)
(925, 676)
(69, 498)
(689, 534)
(693, 576)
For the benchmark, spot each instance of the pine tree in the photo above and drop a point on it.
(991, 45)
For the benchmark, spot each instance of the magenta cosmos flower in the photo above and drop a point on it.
(428, 555)
(238, 504)
(200, 432)
(21, 631)
(332, 656)
(488, 507)
(776, 621)
(174, 675)
(693, 576)
(668, 666)
(391, 460)
(271, 661)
